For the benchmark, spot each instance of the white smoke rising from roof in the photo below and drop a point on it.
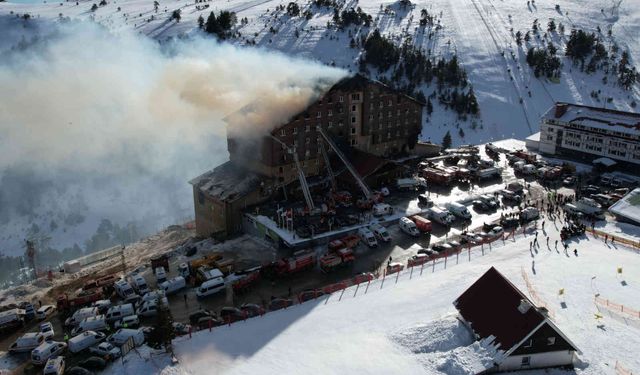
(131, 120)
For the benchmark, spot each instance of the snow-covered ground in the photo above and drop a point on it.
(408, 327)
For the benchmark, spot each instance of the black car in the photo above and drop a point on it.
(509, 222)
(251, 309)
(480, 205)
(93, 363)
(428, 252)
(196, 316)
(440, 247)
(209, 321)
(231, 314)
(279, 303)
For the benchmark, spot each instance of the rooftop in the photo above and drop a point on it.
(628, 207)
(227, 182)
(594, 117)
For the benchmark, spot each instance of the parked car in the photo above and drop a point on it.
(309, 294)
(479, 205)
(441, 247)
(279, 303)
(231, 314)
(251, 309)
(509, 222)
(470, 237)
(202, 313)
(105, 350)
(44, 312)
(54, 366)
(47, 330)
(569, 181)
(131, 321)
(394, 267)
(209, 321)
(428, 252)
(181, 328)
(495, 232)
(93, 363)
(455, 244)
(362, 277)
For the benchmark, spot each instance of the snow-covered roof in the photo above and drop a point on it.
(227, 182)
(605, 161)
(593, 117)
(628, 207)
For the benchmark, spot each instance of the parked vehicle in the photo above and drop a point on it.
(231, 314)
(122, 335)
(181, 328)
(423, 225)
(494, 232)
(418, 260)
(160, 260)
(29, 310)
(569, 181)
(243, 280)
(441, 216)
(528, 169)
(441, 247)
(11, 318)
(150, 308)
(380, 232)
(394, 267)
(380, 209)
(603, 199)
(412, 183)
(161, 275)
(105, 350)
(183, 270)
(459, 210)
(43, 312)
(173, 285)
(54, 366)
(80, 315)
(487, 173)
(210, 287)
(27, 342)
(515, 186)
(470, 237)
(509, 222)
(77, 370)
(489, 200)
(131, 321)
(92, 323)
(102, 305)
(428, 252)
(529, 213)
(85, 297)
(300, 261)
(119, 311)
(279, 303)
(308, 295)
(153, 295)
(589, 206)
(47, 330)
(339, 258)
(139, 284)
(518, 166)
(367, 237)
(510, 196)
(46, 350)
(437, 176)
(199, 314)
(252, 309)
(123, 289)
(408, 226)
(85, 340)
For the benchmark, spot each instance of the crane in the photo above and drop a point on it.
(363, 185)
(303, 180)
(332, 176)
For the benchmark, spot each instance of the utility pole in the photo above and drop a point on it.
(124, 264)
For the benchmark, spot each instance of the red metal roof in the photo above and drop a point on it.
(490, 306)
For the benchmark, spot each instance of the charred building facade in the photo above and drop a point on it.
(356, 113)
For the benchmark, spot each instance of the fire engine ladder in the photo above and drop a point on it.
(347, 163)
(303, 180)
(326, 161)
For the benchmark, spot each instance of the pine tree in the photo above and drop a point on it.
(446, 140)
(163, 331)
(212, 26)
(429, 107)
(200, 22)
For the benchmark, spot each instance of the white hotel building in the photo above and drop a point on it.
(588, 133)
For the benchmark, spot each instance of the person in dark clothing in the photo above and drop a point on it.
(575, 251)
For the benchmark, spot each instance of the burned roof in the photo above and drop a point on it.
(494, 307)
(359, 82)
(227, 182)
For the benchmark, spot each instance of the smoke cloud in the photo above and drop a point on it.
(118, 123)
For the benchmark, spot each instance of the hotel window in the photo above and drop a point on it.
(330, 124)
(371, 95)
(307, 128)
(330, 113)
(353, 130)
(389, 114)
(354, 142)
(370, 117)
(551, 340)
(353, 108)
(341, 98)
(339, 109)
(526, 361)
(355, 96)
(319, 114)
(295, 130)
(353, 119)
(381, 104)
(340, 123)
(390, 102)
(528, 344)
(283, 132)
(307, 140)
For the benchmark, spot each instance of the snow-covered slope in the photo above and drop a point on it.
(407, 327)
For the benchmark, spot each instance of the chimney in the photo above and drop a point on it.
(561, 109)
(524, 306)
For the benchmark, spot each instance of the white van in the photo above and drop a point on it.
(459, 210)
(173, 285)
(43, 312)
(46, 350)
(54, 366)
(27, 342)
(122, 335)
(139, 284)
(183, 270)
(441, 216)
(367, 237)
(80, 315)
(102, 305)
(161, 274)
(152, 296)
(118, 312)
(150, 308)
(380, 232)
(408, 226)
(529, 169)
(519, 166)
(85, 340)
(92, 323)
(380, 209)
(128, 321)
(529, 213)
(123, 289)
(210, 287)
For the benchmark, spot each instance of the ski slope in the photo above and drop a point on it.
(409, 327)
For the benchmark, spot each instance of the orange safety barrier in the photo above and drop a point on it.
(617, 307)
(534, 295)
(635, 245)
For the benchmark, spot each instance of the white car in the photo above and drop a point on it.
(47, 330)
(470, 237)
(105, 349)
(44, 311)
(496, 232)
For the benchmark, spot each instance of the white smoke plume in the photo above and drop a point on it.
(120, 122)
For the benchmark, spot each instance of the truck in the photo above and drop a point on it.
(341, 258)
(589, 206)
(459, 210)
(243, 280)
(486, 173)
(491, 149)
(102, 282)
(349, 241)
(11, 319)
(411, 183)
(441, 216)
(83, 298)
(408, 226)
(526, 156)
(423, 224)
(299, 261)
(160, 260)
(437, 176)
